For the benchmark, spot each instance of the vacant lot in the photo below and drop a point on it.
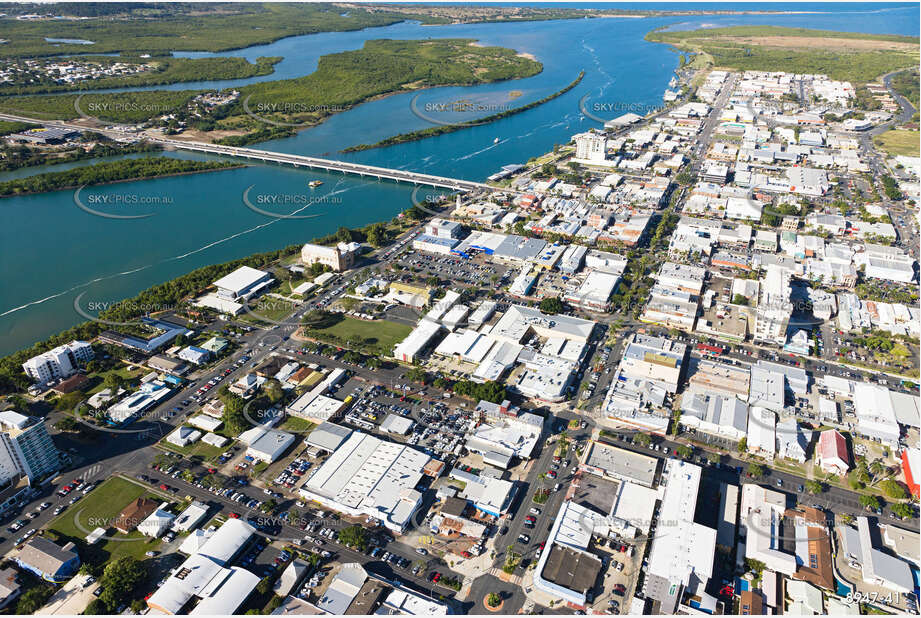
(798, 42)
(98, 510)
(899, 142)
(297, 425)
(375, 336)
(850, 56)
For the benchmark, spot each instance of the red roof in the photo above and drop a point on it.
(832, 445)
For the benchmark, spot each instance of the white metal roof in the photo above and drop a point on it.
(240, 279)
(681, 546)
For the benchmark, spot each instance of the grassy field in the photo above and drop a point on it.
(841, 55)
(378, 336)
(899, 142)
(297, 425)
(7, 127)
(99, 510)
(197, 449)
(268, 309)
(97, 380)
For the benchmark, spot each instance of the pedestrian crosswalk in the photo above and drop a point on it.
(92, 471)
(499, 573)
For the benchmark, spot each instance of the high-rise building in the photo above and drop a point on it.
(590, 146)
(61, 362)
(26, 448)
(772, 315)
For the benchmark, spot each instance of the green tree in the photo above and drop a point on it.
(877, 468)
(900, 509)
(416, 374)
(854, 482)
(551, 305)
(493, 599)
(119, 580)
(264, 586)
(354, 536)
(375, 235)
(684, 451)
(755, 566)
(814, 487)
(343, 234)
(67, 423)
(893, 489)
(33, 599)
(97, 607)
(68, 401)
(870, 503)
(234, 417)
(490, 390)
(739, 299)
(273, 391)
(756, 470)
(742, 446)
(642, 439)
(113, 382)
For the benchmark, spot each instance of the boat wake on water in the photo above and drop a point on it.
(163, 261)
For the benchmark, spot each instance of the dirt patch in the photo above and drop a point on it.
(194, 135)
(793, 42)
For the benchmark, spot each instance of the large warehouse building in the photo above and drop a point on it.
(369, 477)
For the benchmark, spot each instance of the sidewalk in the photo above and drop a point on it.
(71, 599)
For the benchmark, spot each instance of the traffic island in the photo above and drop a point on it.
(494, 597)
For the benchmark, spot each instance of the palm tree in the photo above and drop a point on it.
(877, 468)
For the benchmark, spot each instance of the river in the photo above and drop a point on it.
(54, 251)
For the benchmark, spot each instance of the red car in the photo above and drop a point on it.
(234, 516)
(212, 470)
(530, 518)
(552, 474)
(164, 486)
(76, 482)
(436, 576)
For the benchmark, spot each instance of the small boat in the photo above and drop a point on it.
(313, 184)
(495, 141)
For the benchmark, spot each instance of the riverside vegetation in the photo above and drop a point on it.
(413, 136)
(109, 172)
(342, 80)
